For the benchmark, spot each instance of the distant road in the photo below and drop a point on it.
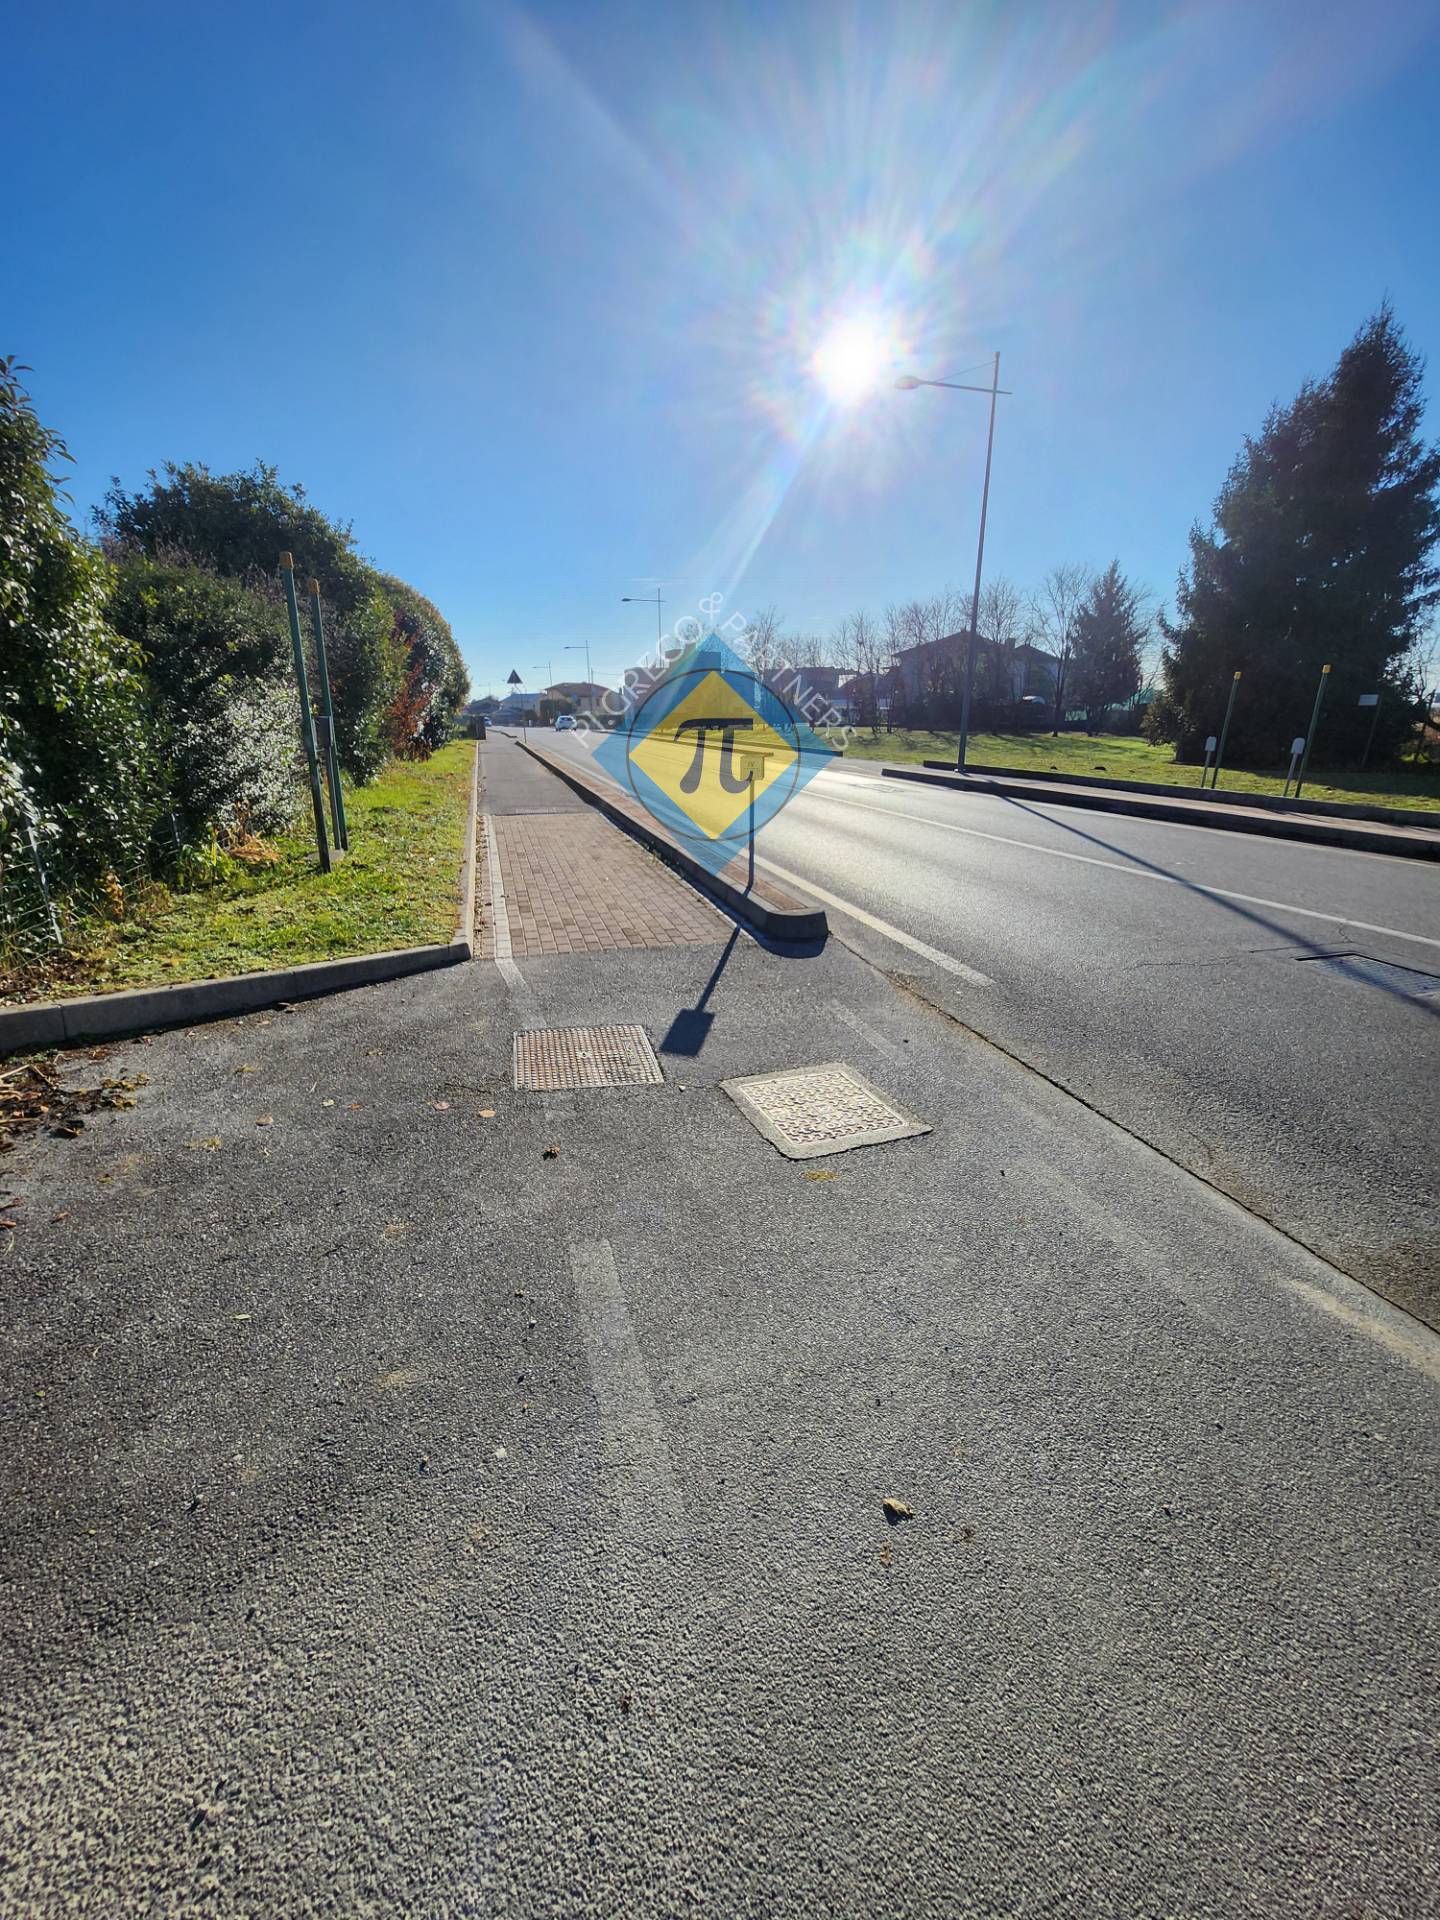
(1177, 978)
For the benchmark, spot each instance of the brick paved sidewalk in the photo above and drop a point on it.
(575, 884)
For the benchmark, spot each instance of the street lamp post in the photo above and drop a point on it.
(907, 384)
(583, 646)
(644, 600)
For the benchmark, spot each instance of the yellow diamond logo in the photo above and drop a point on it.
(713, 754)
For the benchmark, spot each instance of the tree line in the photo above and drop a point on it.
(1319, 551)
(1096, 629)
(147, 697)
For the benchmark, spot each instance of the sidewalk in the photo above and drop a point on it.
(445, 1498)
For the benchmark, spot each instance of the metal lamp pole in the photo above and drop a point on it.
(907, 384)
(644, 600)
(583, 646)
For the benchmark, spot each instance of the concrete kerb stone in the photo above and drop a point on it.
(1416, 844)
(110, 1016)
(1412, 817)
(762, 907)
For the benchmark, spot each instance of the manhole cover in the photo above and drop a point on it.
(806, 1111)
(550, 1058)
(1409, 981)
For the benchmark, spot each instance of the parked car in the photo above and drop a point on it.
(564, 723)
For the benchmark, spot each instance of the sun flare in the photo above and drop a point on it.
(853, 357)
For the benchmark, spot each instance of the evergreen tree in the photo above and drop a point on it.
(1320, 552)
(1110, 630)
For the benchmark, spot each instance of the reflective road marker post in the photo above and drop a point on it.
(1224, 729)
(1314, 722)
(327, 718)
(307, 718)
(1297, 747)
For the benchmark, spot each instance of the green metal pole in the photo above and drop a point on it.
(1314, 722)
(1225, 728)
(1370, 737)
(307, 718)
(332, 758)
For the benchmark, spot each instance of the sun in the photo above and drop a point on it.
(852, 358)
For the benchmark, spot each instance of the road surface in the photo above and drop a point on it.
(1178, 979)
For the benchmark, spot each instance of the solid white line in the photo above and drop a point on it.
(1119, 866)
(498, 915)
(632, 1435)
(945, 960)
(867, 1032)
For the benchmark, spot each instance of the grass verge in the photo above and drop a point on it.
(397, 887)
(1127, 757)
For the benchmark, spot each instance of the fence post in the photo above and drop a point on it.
(44, 889)
(332, 758)
(1314, 721)
(307, 718)
(1224, 729)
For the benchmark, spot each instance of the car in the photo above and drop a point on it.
(564, 723)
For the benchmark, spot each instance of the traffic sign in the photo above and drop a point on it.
(713, 752)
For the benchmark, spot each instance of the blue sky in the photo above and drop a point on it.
(531, 294)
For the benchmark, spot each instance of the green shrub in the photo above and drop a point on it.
(224, 707)
(75, 757)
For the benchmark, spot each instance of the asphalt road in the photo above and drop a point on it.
(1175, 978)
(449, 1501)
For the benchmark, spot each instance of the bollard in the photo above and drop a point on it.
(307, 718)
(327, 722)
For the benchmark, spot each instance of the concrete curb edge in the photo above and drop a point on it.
(1319, 832)
(789, 925)
(1415, 817)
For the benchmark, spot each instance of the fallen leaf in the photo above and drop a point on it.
(247, 1069)
(441, 1106)
(8, 1223)
(327, 1103)
(819, 1173)
(265, 1120)
(487, 1113)
(896, 1510)
(354, 1106)
(551, 1153)
(56, 1218)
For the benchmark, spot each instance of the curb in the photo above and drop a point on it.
(110, 1016)
(465, 926)
(1196, 814)
(790, 924)
(1414, 817)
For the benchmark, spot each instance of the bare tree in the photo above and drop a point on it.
(1005, 624)
(1055, 608)
(859, 648)
(762, 644)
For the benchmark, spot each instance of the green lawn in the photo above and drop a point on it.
(398, 887)
(1127, 757)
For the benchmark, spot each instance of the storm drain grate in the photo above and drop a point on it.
(1377, 973)
(805, 1111)
(548, 1059)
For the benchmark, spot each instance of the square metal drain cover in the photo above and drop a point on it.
(1409, 981)
(805, 1111)
(550, 1058)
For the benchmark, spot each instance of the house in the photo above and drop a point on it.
(584, 696)
(934, 670)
